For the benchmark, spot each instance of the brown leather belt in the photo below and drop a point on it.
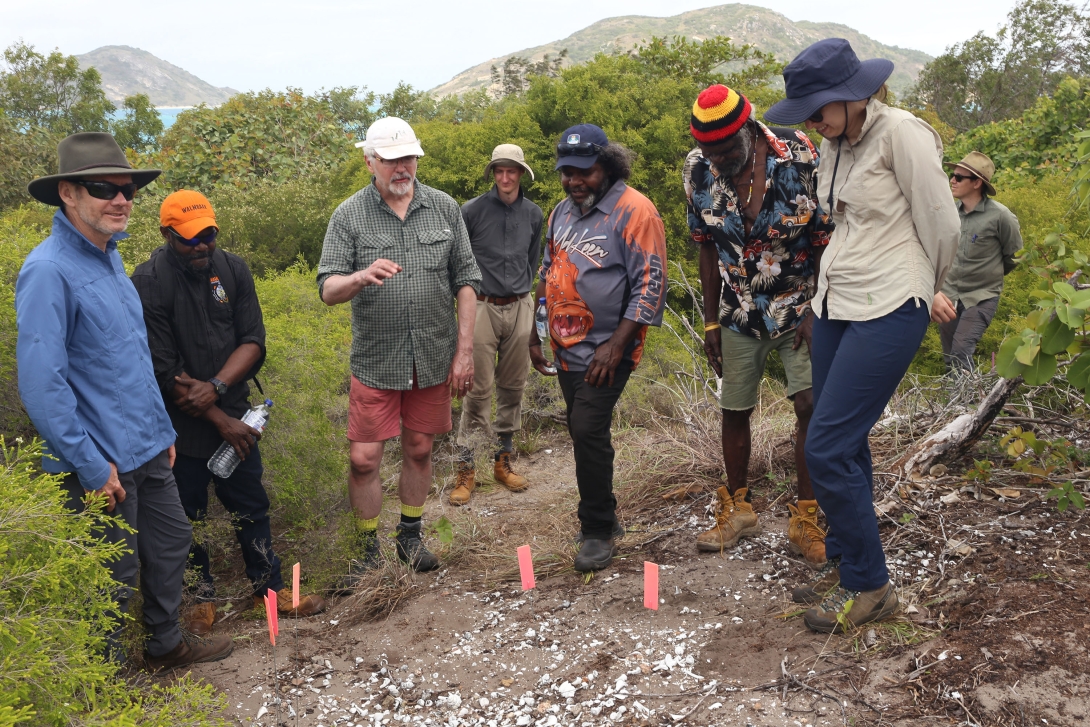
(501, 301)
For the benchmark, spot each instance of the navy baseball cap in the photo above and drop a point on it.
(579, 146)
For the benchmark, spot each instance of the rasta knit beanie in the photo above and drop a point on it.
(718, 113)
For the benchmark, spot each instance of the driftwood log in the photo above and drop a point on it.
(957, 437)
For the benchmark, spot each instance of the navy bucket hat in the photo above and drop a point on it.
(827, 71)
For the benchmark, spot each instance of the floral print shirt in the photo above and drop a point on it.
(769, 275)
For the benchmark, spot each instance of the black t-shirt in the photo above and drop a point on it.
(197, 332)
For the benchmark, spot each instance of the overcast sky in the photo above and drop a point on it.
(250, 45)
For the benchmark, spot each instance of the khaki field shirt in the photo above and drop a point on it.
(409, 321)
(990, 237)
(896, 225)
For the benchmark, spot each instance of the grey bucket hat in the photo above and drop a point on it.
(511, 154)
(87, 154)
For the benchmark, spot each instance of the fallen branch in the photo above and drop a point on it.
(957, 437)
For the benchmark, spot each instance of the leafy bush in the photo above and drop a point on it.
(20, 232)
(55, 607)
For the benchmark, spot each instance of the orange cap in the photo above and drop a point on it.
(187, 212)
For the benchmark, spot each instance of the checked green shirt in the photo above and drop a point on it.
(409, 321)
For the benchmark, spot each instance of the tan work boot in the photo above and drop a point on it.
(463, 486)
(821, 586)
(308, 605)
(506, 476)
(735, 520)
(199, 619)
(191, 650)
(854, 608)
(804, 537)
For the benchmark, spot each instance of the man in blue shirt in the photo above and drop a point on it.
(86, 380)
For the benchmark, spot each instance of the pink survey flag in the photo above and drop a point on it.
(526, 567)
(269, 610)
(650, 585)
(295, 586)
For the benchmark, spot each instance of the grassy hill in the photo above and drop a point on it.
(126, 71)
(766, 29)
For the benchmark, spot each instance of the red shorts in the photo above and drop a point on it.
(375, 415)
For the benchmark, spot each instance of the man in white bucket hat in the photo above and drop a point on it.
(399, 251)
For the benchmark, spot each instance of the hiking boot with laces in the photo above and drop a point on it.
(507, 476)
(411, 548)
(822, 584)
(199, 619)
(191, 650)
(736, 520)
(463, 485)
(359, 568)
(844, 609)
(804, 537)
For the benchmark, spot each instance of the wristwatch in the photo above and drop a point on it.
(219, 386)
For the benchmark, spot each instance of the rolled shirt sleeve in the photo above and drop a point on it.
(463, 266)
(917, 163)
(338, 256)
(44, 319)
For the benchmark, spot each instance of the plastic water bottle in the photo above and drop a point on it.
(541, 318)
(225, 460)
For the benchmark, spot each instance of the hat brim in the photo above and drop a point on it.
(192, 228)
(44, 189)
(398, 151)
(509, 163)
(987, 185)
(864, 84)
(579, 162)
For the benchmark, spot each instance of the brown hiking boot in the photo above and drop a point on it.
(463, 486)
(507, 476)
(822, 584)
(191, 650)
(199, 619)
(845, 609)
(308, 605)
(804, 537)
(736, 520)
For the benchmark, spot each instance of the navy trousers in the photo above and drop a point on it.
(245, 498)
(857, 366)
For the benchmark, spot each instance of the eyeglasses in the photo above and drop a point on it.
(207, 237)
(407, 161)
(961, 177)
(816, 118)
(108, 190)
(586, 149)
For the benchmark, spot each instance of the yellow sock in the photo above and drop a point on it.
(410, 511)
(369, 523)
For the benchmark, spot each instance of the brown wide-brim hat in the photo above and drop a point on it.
(87, 154)
(980, 165)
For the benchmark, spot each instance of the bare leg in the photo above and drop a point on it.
(416, 470)
(364, 486)
(804, 408)
(737, 444)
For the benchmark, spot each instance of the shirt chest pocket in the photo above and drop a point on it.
(370, 248)
(980, 245)
(434, 249)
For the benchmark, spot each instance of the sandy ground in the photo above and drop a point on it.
(469, 647)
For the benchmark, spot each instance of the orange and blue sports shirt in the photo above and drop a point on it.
(600, 268)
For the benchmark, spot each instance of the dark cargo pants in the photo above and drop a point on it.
(961, 335)
(160, 546)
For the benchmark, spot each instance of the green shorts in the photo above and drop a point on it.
(744, 360)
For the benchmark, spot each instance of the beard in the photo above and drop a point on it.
(196, 263)
(400, 185)
(100, 223)
(592, 198)
(737, 164)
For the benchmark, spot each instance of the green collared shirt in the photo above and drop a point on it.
(989, 239)
(408, 323)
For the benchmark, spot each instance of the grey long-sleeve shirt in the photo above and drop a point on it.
(506, 241)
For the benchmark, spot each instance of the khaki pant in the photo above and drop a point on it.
(501, 355)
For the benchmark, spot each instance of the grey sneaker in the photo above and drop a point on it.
(411, 548)
(822, 584)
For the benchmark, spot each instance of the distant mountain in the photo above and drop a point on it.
(766, 29)
(126, 71)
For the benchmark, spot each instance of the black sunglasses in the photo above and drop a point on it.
(206, 238)
(108, 190)
(586, 149)
(961, 177)
(816, 118)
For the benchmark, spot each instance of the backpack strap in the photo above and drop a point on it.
(227, 275)
(165, 278)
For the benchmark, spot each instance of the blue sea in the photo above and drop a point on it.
(168, 115)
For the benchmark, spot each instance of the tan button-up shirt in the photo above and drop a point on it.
(897, 227)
